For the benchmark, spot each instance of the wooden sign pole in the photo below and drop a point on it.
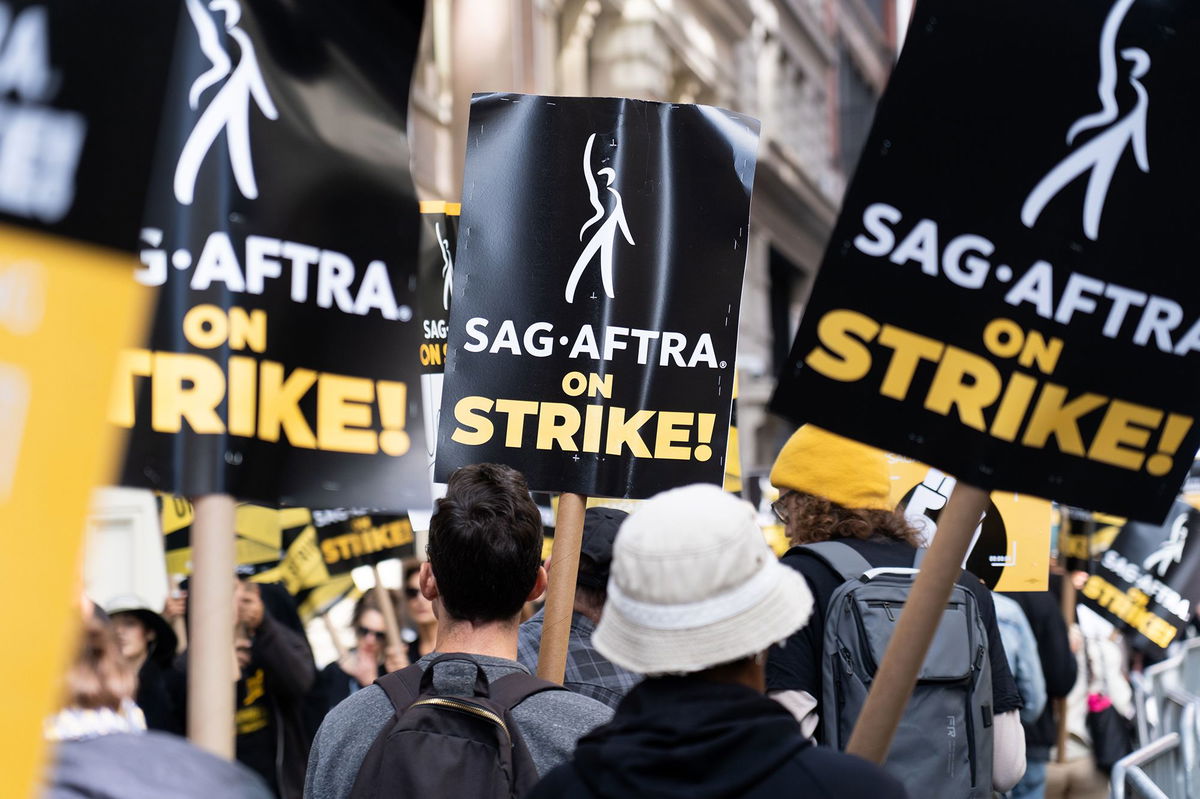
(384, 597)
(335, 637)
(1068, 600)
(560, 595)
(897, 674)
(211, 677)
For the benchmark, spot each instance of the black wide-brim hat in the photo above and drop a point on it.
(162, 648)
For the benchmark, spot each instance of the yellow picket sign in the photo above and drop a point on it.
(66, 308)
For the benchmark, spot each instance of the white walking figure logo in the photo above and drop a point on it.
(605, 236)
(1102, 153)
(229, 109)
(447, 266)
(1171, 550)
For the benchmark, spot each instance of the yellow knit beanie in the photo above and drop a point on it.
(817, 462)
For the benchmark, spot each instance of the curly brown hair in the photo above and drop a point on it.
(811, 519)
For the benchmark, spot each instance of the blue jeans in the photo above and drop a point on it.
(1033, 784)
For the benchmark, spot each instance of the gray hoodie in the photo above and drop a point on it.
(549, 722)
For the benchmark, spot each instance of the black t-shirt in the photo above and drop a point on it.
(796, 665)
(256, 742)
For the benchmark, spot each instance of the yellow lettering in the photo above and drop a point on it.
(1123, 434)
(622, 433)
(172, 402)
(1053, 415)
(967, 381)
(343, 411)
(247, 329)
(123, 401)
(844, 357)
(557, 422)
(469, 411)
(517, 410)
(279, 405)
(673, 428)
(908, 350)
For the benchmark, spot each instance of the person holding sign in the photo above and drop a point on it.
(836, 490)
(695, 599)
(368, 660)
(587, 672)
(485, 545)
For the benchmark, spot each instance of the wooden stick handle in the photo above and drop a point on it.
(338, 643)
(897, 674)
(388, 610)
(1060, 705)
(211, 659)
(560, 595)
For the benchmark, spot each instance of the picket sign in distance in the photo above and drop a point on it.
(1148, 580)
(76, 83)
(596, 290)
(283, 234)
(353, 538)
(1008, 293)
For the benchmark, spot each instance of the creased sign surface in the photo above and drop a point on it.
(283, 231)
(1009, 294)
(595, 312)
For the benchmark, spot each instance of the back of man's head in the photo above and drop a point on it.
(485, 543)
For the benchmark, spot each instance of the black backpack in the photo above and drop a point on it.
(442, 745)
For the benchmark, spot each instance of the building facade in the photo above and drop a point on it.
(810, 70)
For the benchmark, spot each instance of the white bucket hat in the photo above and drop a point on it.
(694, 585)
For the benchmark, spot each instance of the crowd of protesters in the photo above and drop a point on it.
(698, 665)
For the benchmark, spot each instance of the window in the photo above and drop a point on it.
(856, 109)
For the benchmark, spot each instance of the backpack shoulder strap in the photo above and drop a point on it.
(402, 687)
(920, 556)
(513, 689)
(840, 557)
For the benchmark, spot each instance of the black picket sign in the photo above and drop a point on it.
(79, 93)
(595, 312)
(1148, 580)
(1008, 293)
(283, 229)
(352, 538)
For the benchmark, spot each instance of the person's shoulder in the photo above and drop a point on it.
(362, 713)
(586, 712)
(852, 776)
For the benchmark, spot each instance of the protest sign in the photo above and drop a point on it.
(1084, 536)
(349, 539)
(1010, 549)
(1002, 296)
(595, 294)
(76, 79)
(435, 282)
(1147, 582)
(283, 232)
(259, 533)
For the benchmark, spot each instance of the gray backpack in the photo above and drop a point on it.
(943, 746)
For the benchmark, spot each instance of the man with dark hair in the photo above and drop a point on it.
(484, 549)
(588, 672)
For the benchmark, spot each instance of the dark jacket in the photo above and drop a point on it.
(150, 766)
(281, 659)
(687, 737)
(1058, 664)
(155, 699)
